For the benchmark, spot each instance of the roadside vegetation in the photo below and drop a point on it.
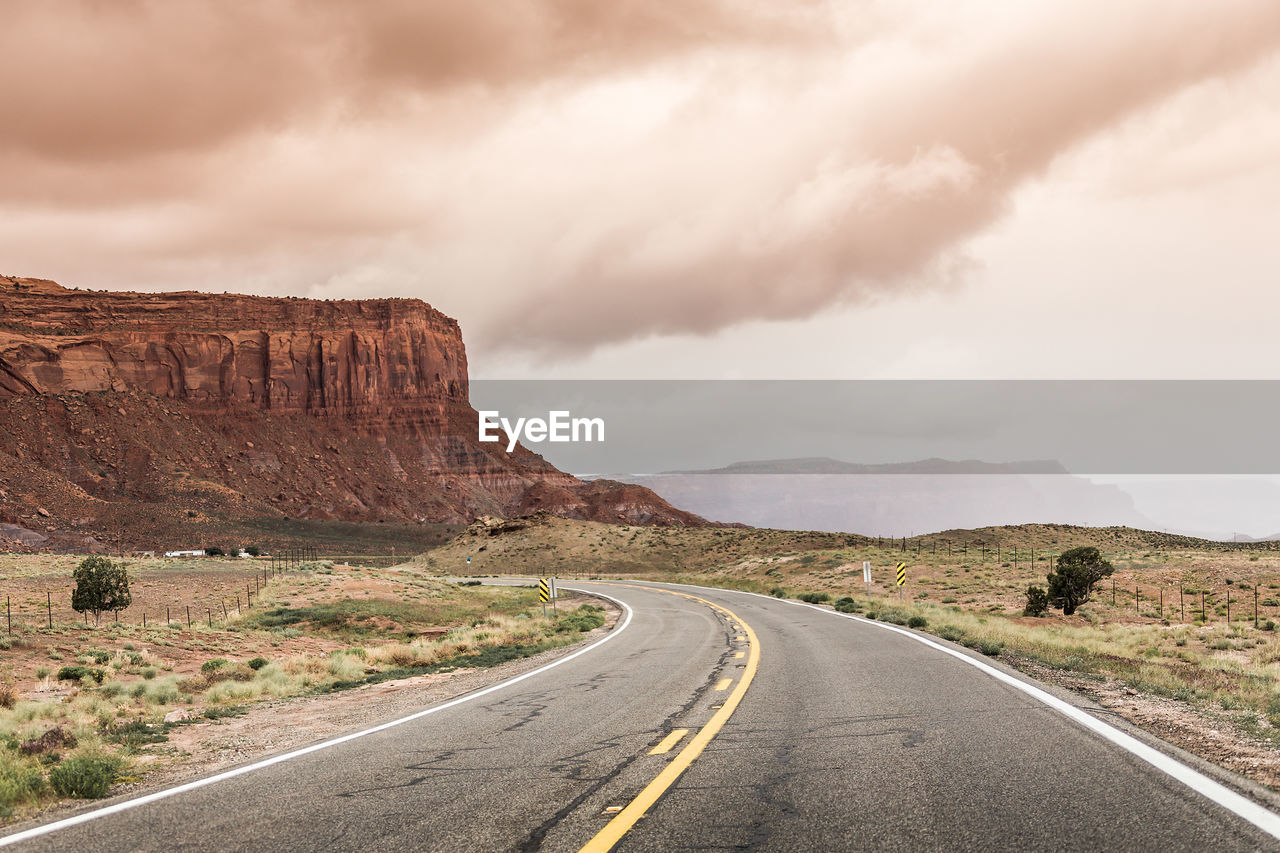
(1166, 616)
(82, 708)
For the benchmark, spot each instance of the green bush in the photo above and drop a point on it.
(87, 777)
(98, 655)
(990, 648)
(584, 619)
(258, 663)
(214, 551)
(778, 592)
(214, 664)
(1037, 601)
(77, 673)
(951, 633)
(847, 605)
(19, 783)
(917, 622)
(814, 597)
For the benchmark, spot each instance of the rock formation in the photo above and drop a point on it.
(117, 405)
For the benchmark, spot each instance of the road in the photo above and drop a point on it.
(806, 731)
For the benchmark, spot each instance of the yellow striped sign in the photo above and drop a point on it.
(902, 573)
(544, 590)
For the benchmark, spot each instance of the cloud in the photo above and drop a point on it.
(565, 174)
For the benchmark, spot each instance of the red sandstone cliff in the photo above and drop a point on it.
(122, 406)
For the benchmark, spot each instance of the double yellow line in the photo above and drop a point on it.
(613, 831)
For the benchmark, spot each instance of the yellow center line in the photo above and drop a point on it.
(724, 684)
(621, 823)
(669, 741)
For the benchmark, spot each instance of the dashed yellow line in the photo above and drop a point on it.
(724, 684)
(621, 823)
(738, 654)
(669, 741)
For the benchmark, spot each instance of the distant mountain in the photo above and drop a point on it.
(894, 499)
(826, 465)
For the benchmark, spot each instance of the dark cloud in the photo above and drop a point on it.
(563, 174)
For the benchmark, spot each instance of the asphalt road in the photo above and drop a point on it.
(848, 736)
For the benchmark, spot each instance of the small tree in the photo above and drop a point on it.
(1037, 601)
(1079, 570)
(253, 550)
(214, 551)
(100, 585)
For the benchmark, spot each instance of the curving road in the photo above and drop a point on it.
(803, 730)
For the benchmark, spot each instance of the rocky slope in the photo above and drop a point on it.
(121, 410)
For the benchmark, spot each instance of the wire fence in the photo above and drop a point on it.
(51, 608)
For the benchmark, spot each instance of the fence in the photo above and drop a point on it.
(212, 608)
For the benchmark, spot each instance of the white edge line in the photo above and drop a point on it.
(116, 808)
(1243, 807)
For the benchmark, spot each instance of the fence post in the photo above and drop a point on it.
(1228, 605)
(188, 617)
(1255, 605)
(144, 619)
(49, 602)
(167, 618)
(210, 615)
(224, 608)
(8, 614)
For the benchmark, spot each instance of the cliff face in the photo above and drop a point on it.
(119, 407)
(357, 359)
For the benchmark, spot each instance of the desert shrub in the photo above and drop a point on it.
(847, 605)
(20, 782)
(894, 617)
(98, 656)
(1271, 602)
(917, 622)
(470, 583)
(54, 739)
(584, 619)
(78, 673)
(1037, 601)
(778, 592)
(8, 696)
(149, 673)
(814, 597)
(87, 777)
(213, 664)
(214, 551)
(951, 633)
(258, 663)
(991, 648)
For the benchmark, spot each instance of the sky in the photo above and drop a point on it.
(708, 189)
